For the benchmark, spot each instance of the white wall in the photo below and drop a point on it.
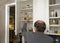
(41, 11)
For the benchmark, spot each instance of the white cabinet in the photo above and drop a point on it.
(41, 11)
(54, 16)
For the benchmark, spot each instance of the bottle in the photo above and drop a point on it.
(54, 22)
(56, 19)
(55, 14)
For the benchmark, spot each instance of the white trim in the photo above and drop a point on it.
(15, 18)
(7, 22)
(11, 4)
(6, 25)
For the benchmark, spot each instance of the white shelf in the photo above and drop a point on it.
(24, 20)
(58, 4)
(54, 17)
(27, 9)
(51, 33)
(55, 6)
(55, 25)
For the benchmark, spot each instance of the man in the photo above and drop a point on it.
(40, 26)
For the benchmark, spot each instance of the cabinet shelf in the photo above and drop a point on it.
(54, 25)
(26, 9)
(58, 4)
(54, 17)
(52, 33)
(55, 5)
(24, 20)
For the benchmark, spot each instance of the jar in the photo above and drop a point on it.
(54, 22)
(52, 13)
(59, 22)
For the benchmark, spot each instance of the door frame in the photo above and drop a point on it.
(7, 6)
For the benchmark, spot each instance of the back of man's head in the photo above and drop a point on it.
(40, 26)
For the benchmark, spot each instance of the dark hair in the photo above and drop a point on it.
(40, 25)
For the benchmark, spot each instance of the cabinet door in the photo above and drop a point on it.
(41, 11)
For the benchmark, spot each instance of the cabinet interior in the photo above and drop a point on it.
(54, 15)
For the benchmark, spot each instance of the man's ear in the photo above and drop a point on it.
(45, 30)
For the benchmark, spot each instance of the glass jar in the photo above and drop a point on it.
(52, 12)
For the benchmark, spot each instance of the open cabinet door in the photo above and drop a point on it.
(41, 11)
(24, 10)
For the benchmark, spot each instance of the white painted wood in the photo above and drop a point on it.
(54, 25)
(6, 25)
(54, 17)
(41, 11)
(58, 4)
(52, 33)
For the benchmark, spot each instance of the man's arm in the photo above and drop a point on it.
(24, 28)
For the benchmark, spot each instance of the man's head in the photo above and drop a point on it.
(40, 26)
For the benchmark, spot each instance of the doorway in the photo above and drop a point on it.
(10, 24)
